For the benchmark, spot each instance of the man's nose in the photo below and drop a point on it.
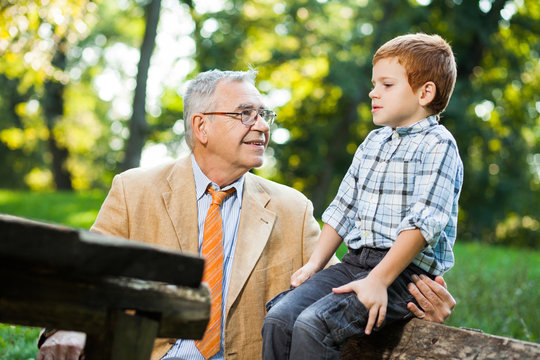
(260, 124)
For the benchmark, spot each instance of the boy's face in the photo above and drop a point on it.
(393, 101)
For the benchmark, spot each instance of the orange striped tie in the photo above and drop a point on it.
(212, 251)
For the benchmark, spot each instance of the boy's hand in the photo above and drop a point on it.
(373, 294)
(302, 274)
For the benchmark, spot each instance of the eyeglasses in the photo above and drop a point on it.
(248, 117)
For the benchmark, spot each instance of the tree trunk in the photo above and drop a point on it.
(53, 108)
(138, 127)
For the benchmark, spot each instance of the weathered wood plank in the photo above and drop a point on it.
(78, 303)
(47, 247)
(121, 293)
(422, 340)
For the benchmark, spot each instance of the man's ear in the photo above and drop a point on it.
(427, 93)
(199, 123)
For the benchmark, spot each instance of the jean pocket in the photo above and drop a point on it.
(270, 304)
(346, 318)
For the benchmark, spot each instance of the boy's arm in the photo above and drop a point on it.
(408, 244)
(372, 290)
(326, 247)
(437, 189)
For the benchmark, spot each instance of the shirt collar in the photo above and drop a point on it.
(201, 182)
(419, 126)
(422, 125)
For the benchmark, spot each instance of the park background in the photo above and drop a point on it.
(90, 88)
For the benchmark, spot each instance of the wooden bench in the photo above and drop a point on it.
(422, 340)
(122, 293)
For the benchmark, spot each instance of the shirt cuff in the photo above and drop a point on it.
(45, 334)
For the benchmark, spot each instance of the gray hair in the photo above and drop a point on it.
(199, 96)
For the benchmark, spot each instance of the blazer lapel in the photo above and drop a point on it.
(181, 205)
(256, 224)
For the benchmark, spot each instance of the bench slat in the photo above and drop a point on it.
(421, 340)
(50, 247)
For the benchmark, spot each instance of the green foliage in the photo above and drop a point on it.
(84, 125)
(35, 41)
(320, 53)
(17, 145)
(18, 342)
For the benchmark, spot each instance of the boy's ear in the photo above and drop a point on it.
(199, 122)
(427, 93)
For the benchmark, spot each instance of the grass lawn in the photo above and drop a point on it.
(496, 288)
(76, 209)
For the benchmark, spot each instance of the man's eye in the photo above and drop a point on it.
(388, 85)
(246, 112)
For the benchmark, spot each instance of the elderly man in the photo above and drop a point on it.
(264, 230)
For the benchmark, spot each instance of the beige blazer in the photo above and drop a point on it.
(276, 236)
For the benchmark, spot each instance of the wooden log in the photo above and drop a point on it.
(83, 304)
(422, 340)
(121, 293)
(47, 248)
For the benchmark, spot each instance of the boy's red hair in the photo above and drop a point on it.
(425, 58)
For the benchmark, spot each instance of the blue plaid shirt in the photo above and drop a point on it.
(402, 179)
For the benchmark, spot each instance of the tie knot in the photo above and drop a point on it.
(219, 196)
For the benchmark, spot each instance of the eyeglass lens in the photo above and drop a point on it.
(249, 116)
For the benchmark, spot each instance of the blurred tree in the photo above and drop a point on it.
(497, 100)
(16, 145)
(34, 38)
(314, 58)
(64, 63)
(53, 110)
(317, 54)
(138, 127)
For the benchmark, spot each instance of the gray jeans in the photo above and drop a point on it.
(311, 322)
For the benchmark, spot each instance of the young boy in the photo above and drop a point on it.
(396, 209)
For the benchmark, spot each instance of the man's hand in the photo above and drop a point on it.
(373, 294)
(435, 301)
(63, 345)
(302, 274)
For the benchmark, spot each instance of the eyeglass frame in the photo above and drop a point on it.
(252, 120)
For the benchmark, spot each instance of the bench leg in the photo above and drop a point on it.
(126, 337)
